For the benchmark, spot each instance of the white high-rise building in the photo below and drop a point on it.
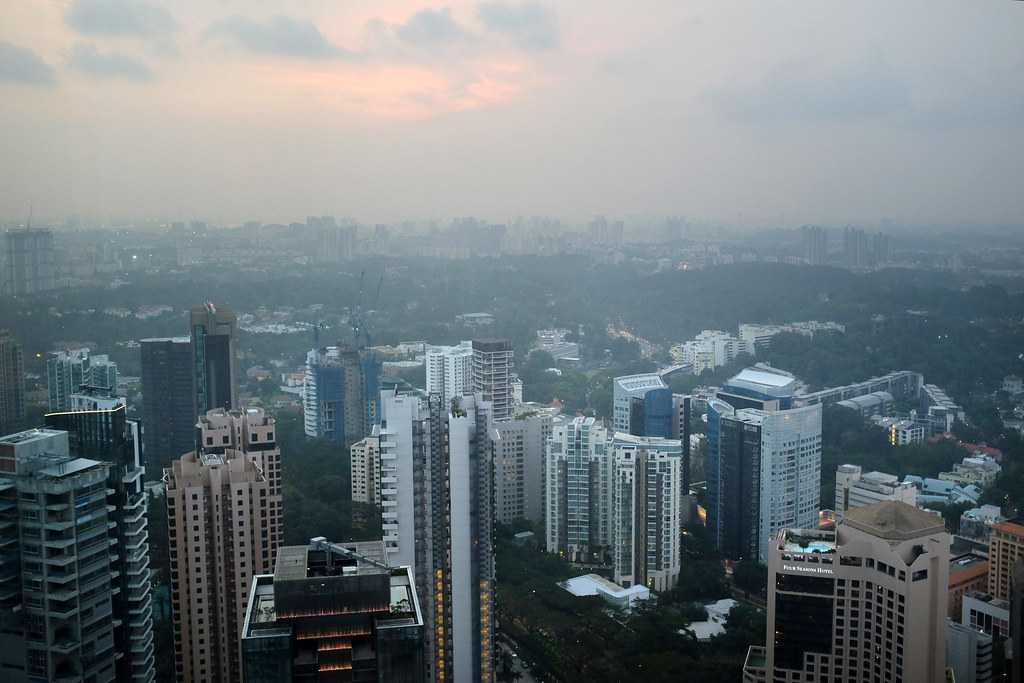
(438, 515)
(854, 489)
(764, 474)
(615, 497)
(450, 370)
(577, 476)
(646, 511)
(68, 371)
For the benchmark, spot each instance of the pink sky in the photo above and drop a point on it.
(758, 113)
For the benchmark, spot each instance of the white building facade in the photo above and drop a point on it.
(450, 370)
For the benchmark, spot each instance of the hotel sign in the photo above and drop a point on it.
(807, 569)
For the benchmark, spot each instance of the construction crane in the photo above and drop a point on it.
(357, 319)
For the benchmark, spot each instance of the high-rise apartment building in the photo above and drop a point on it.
(615, 497)
(365, 470)
(814, 240)
(98, 429)
(866, 602)
(224, 527)
(341, 397)
(12, 384)
(58, 619)
(438, 515)
(855, 489)
(645, 511)
(764, 463)
(449, 370)
(492, 374)
(67, 372)
(215, 369)
(168, 423)
(333, 612)
(29, 265)
(519, 443)
(1016, 646)
(576, 483)
(1006, 547)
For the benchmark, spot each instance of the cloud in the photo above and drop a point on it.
(120, 18)
(430, 27)
(800, 92)
(20, 65)
(530, 25)
(280, 35)
(88, 60)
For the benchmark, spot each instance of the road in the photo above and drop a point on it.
(517, 665)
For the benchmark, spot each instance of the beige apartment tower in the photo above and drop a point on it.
(224, 528)
(864, 603)
(365, 459)
(1006, 546)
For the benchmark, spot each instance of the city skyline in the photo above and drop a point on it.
(715, 111)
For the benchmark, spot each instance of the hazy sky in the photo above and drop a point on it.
(773, 113)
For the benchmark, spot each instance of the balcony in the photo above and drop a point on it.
(65, 646)
(63, 610)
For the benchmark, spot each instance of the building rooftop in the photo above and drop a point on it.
(28, 436)
(595, 584)
(894, 520)
(176, 340)
(763, 380)
(651, 380)
(70, 467)
(966, 566)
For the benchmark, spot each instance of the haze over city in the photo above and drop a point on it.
(751, 114)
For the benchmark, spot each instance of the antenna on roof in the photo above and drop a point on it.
(28, 225)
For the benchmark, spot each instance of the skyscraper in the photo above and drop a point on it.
(70, 370)
(98, 429)
(12, 384)
(437, 498)
(214, 331)
(866, 602)
(341, 393)
(615, 498)
(365, 470)
(815, 244)
(1017, 623)
(492, 374)
(518, 444)
(577, 478)
(763, 465)
(58, 616)
(333, 612)
(449, 370)
(29, 265)
(645, 511)
(224, 526)
(1006, 546)
(66, 372)
(168, 423)
(642, 405)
